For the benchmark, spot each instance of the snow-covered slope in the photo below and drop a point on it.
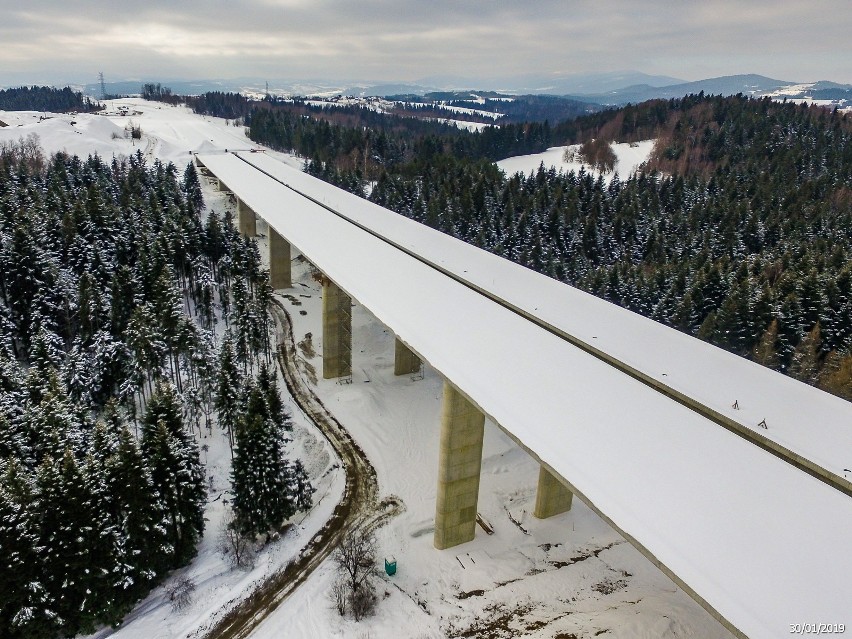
(630, 157)
(170, 133)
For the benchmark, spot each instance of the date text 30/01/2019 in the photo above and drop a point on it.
(817, 628)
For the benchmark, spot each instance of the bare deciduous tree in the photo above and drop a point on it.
(356, 559)
(237, 548)
(338, 594)
(180, 592)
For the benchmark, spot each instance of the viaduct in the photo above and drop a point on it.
(730, 478)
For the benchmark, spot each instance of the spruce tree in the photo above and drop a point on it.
(228, 386)
(260, 476)
(192, 187)
(67, 534)
(300, 490)
(176, 470)
(267, 383)
(21, 591)
(138, 516)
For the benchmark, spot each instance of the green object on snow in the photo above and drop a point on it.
(390, 565)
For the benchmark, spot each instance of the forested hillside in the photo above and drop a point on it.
(45, 99)
(129, 327)
(740, 231)
(361, 140)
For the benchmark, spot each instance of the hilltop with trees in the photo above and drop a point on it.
(46, 99)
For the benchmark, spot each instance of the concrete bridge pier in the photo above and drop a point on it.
(459, 465)
(279, 260)
(246, 221)
(336, 331)
(552, 497)
(405, 361)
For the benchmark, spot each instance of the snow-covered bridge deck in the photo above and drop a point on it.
(803, 424)
(757, 541)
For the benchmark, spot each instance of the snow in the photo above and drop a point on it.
(170, 133)
(469, 111)
(712, 508)
(217, 583)
(464, 124)
(75, 134)
(396, 421)
(792, 89)
(811, 101)
(379, 105)
(809, 422)
(629, 157)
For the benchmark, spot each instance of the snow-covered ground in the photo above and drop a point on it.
(170, 133)
(791, 89)
(468, 111)
(572, 574)
(630, 157)
(464, 124)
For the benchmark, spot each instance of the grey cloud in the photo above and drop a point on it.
(405, 40)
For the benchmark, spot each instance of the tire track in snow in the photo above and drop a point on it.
(358, 506)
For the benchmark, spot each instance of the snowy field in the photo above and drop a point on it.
(170, 133)
(571, 575)
(630, 157)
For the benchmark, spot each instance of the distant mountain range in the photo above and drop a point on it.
(750, 84)
(554, 83)
(614, 88)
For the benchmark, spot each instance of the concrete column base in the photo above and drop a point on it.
(246, 220)
(336, 331)
(405, 361)
(279, 261)
(459, 464)
(552, 497)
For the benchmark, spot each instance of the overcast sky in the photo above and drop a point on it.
(59, 41)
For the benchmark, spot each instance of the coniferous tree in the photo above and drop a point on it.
(21, 591)
(228, 388)
(67, 532)
(173, 457)
(260, 474)
(805, 362)
(192, 187)
(101, 268)
(836, 375)
(765, 352)
(301, 490)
